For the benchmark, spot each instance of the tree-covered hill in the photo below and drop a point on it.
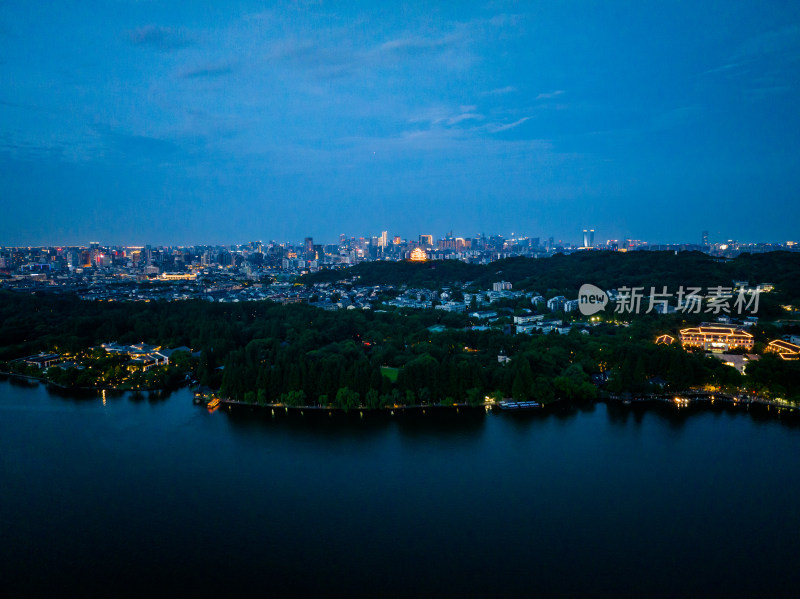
(568, 272)
(297, 354)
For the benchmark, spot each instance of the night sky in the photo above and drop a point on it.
(132, 122)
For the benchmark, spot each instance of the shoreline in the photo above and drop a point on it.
(48, 382)
(686, 398)
(681, 400)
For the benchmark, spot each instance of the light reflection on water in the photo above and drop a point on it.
(591, 499)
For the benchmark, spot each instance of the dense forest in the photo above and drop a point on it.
(298, 354)
(566, 273)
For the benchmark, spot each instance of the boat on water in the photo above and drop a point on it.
(213, 403)
(518, 405)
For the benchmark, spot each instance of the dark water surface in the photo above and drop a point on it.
(159, 496)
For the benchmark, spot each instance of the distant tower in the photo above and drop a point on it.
(308, 247)
(588, 238)
(705, 238)
(384, 241)
(591, 238)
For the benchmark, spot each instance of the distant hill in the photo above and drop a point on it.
(568, 272)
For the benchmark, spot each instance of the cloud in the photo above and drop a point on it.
(497, 127)
(767, 54)
(550, 95)
(675, 117)
(726, 68)
(343, 50)
(508, 89)
(781, 40)
(18, 105)
(415, 45)
(210, 71)
(165, 39)
(136, 146)
(505, 20)
(326, 61)
(464, 116)
(760, 93)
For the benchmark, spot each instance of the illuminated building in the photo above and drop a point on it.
(426, 240)
(665, 340)
(177, 276)
(308, 248)
(716, 338)
(786, 350)
(418, 255)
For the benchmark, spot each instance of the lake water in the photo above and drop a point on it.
(134, 496)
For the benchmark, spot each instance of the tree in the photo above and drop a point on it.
(474, 396)
(346, 399)
(523, 380)
(373, 400)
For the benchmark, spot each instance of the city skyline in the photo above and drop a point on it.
(582, 239)
(155, 123)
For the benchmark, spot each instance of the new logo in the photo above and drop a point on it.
(591, 299)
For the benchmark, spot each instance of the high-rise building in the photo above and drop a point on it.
(426, 240)
(384, 240)
(588, 238)
(308, 248)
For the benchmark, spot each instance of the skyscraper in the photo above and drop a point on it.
(308, 248)
(588, 238)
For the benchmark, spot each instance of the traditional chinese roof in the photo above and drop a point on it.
(664, 339)
(715, 330)
(783, 347)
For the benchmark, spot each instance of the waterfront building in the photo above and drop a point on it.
(785, 349)
(716, 338)
(43, 361)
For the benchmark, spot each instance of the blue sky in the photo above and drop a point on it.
(208, 122)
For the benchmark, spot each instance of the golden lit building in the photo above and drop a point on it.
(177, 276)
(418, 255)
(786, 350)
(716, 338)
(665, 340)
